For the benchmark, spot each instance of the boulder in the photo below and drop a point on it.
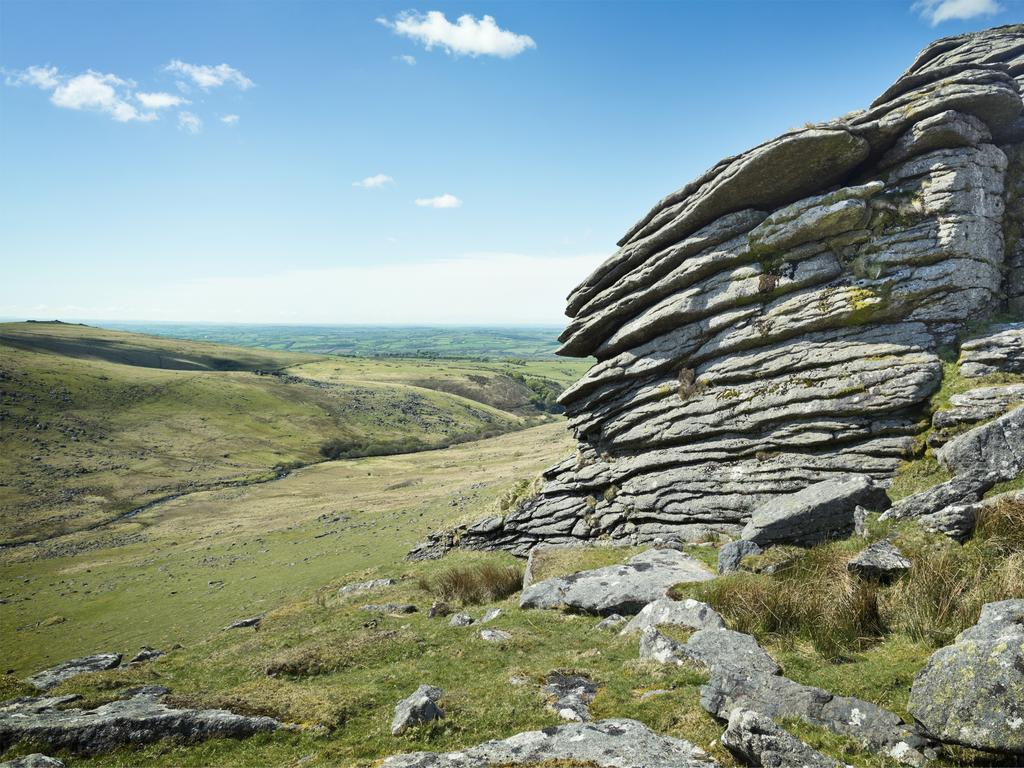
(54, 676)
(710, 649)
(605, 743)
(460, 620)
(972, 692)
(146, 654)
(128, 722)
(731, 554)
(419, 707)
(680, 613)
(997, 447)
(252, 621)
(820, 512)
(967, 488)
(881, 561)
(956, 521)
(569, 696)
(491, 615)
(35, 760)
(495, 635)
(623, 589)
(1001, 350)
(756, 740)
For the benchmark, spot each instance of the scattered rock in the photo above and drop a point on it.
(129, 722)
(392, 609)
(680, 613)
(253, 621)
(35, 760)
(997, 446)
(605, 743)
(757, 740)
(54, 676)
(491, 615)
(570, 696)
(145, 654)
(438, 609)
(820, 512)
(972, 692)
(881, 561)
(731, 554)
(623, 589)
(419, 707)
(364, 586)
(653, 694)
(460, 620)
(609, 623)
(495, 635)
(1001, 350)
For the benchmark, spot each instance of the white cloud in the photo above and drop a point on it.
(189, 122)
(407, 59)
(441, 201)
(99, 92)
(159, 100)
(40, 77)
(467, 36)
(938, 11)
(373, 182)
(229, 119)
(208, 76)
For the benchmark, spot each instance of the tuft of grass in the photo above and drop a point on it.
(474, 584)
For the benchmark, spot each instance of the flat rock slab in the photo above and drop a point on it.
(35, 760)
(967, 488)
(757, 740)
(678, 613)
(999, 351)
(615, 743)
(972, 692)
(994, 447)
(880, 561)
(978, 405)
(817, 513)
(569, 696)
(624, 589)
(54, 676)
(139, 720)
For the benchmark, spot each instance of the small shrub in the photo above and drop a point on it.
(474, 584)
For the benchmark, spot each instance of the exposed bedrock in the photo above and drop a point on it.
(783, 319)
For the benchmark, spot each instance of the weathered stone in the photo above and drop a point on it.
(756, 740)
(461, 620)
(252, 621)
(972, 692)
(623, 589)
(609, 623)
(389, 608)
(146, 654)
(364, 586)
(710, 648)
(491, 615)
(818, 513)
(997, 446)
(54, 676)
(438, 609)
(569, 696)
(731, 554)
(495, 635)
(978, 405)
(418, 707)
(605, 743)
(999, 351)
(680, 613)
(129, 722)
(956, 521)
(967, 488)
(35, 760)
(880, 561)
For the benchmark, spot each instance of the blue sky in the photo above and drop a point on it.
(551, 128)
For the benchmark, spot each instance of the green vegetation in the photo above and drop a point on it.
(472, 585)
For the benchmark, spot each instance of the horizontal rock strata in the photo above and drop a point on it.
(778, 321)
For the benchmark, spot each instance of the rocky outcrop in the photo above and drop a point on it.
(605, 743)
(54, 676)
(35, 760)
(623, 589)
(777, 322)
(972, 692)
(678, 613)
(756, 740)
(1001, 350)
(996, 447)
(139, 720)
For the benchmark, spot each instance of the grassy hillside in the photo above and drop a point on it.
(97, 423)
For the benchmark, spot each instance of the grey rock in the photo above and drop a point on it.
(495, 635)
(731, 554)
(658, 648)
(569, 696)
(460, 620)
(956, 521)
(997, 446)
(710, 649)
(999, 351)
(972, 692)
(35, 760)
(681, 613)
(491, 615)
(653, 694)
(978, 405)
(146, 654)
(623, 589)
(820, 512)
(438, 609)
(880, 561)
(54, 676)
(757, 740)
(421, 706)
(608, 623)
(605, 743)
(130, 722)
(967, 488)
(364, 586)
(946, 129)
(252, 621)
(389, 608)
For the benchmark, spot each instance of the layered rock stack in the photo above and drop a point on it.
(781, 320)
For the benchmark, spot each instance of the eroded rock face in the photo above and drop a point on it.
(54, 676)
(776, 322)
(972, 692)
(605, 743)
(996, 447)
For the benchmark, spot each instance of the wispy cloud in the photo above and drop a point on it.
(938, 11)
(466, 37)
(229, 119)
(373, 182)
(99, 92)
(208, 76)
(189, 122)
(40, 77)
(159, 100)
(441, 201)
(407, 59)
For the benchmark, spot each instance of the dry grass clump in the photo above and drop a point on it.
(474, 584)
